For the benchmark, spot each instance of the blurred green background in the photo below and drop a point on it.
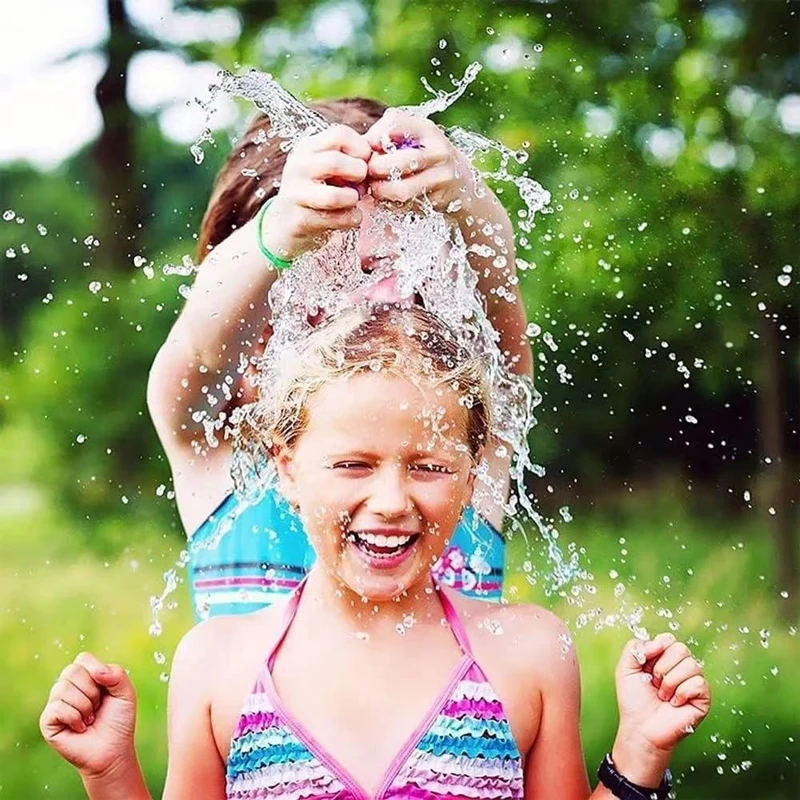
(665, 271)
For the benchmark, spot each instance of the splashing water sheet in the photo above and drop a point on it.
(433, 262)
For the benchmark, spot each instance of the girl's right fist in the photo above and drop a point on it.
(322, 182)
(90, 716)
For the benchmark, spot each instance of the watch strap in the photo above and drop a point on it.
(624, 789)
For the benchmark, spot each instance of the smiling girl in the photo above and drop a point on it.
(373, 680)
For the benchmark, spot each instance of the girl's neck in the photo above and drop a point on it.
(328, 599)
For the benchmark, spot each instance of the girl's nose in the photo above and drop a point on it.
(388, 496)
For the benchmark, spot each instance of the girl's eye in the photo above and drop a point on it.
(435, 468)
(351, 465)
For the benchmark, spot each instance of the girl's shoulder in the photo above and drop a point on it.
(523, 638)
(215, 650)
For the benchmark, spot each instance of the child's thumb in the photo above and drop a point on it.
(116, 682)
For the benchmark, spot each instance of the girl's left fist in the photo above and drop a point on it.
(412, 158)
(662, 692)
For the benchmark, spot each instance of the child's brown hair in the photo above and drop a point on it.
(234, 199)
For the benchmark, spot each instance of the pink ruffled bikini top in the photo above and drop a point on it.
(463, 748)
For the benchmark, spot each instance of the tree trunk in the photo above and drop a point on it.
(115, 149)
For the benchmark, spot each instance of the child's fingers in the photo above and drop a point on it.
(79, 676)
(321, 197)
(408, 188)
(335, 164)
(336, 220)
(57, 715)
(340, 137)
(637, 653)
(73, 696)
(91, 663)
(668, 660)
(114, 679)
(682, 671)
(399, 129)
(398, 163)
(694, 691)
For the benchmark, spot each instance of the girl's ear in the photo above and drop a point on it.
(470, 489)
(286, 468)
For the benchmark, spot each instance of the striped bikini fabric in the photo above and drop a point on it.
(463, 749)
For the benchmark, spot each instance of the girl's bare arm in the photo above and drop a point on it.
(196, 770)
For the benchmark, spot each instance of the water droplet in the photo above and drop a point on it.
(12, 253)
(442, 44)
(641, 226)
(95, 287)
(9, 215)
(533, 330)
(42, 230)
(783, 279)
(691, 419)
(686, 231)
(537, 48)
(549, 341)
(490, 31)
(80, 438)
(493, 626)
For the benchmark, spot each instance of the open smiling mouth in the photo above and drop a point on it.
(379, 546)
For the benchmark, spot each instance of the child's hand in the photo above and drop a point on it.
(662, 696)
(412, 157)
(90, 717)
(322, 182)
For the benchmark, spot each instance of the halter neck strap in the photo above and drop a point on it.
(454, 621)
(288, 617)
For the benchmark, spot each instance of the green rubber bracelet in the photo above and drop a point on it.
(279, 263)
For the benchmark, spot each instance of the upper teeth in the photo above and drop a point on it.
(384, 541)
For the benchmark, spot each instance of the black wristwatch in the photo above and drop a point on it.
(622, 788)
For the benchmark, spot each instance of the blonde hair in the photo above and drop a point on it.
(407, 342)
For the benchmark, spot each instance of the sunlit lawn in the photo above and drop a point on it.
(710, 581)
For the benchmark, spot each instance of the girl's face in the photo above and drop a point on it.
(381, 475)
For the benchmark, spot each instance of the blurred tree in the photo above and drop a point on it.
(115, 155)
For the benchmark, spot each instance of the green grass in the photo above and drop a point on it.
(56, 599)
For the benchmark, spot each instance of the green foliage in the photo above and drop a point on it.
(82, 388)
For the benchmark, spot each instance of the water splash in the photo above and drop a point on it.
(328, 277)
